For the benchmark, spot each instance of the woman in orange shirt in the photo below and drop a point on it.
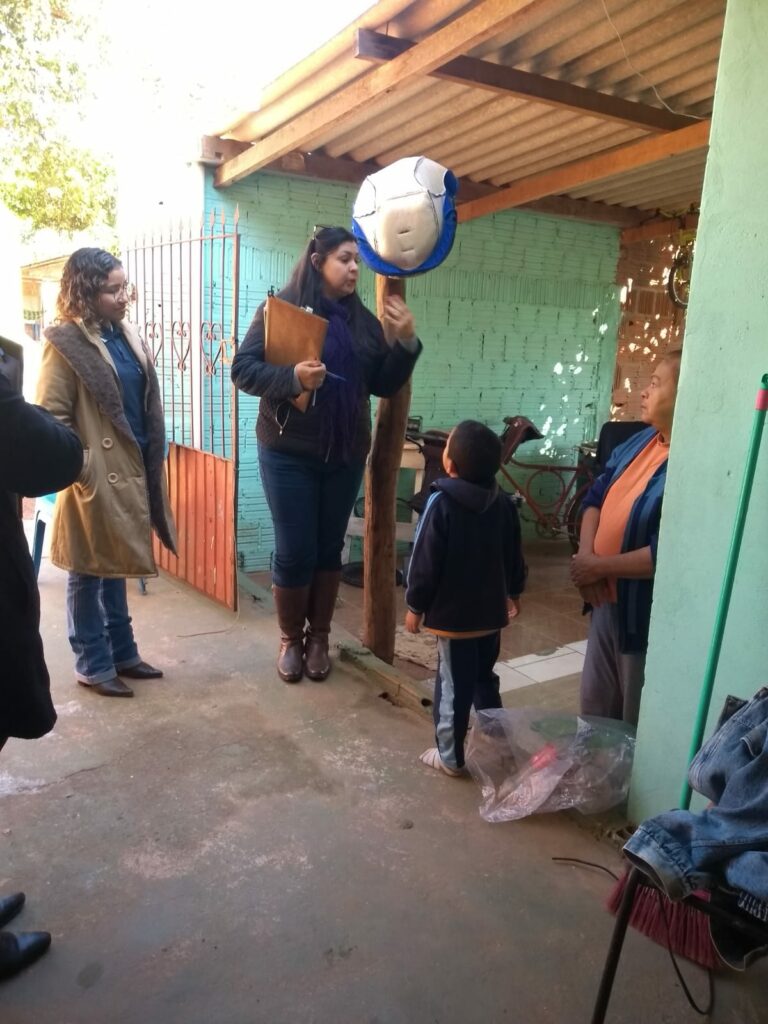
(615, 565)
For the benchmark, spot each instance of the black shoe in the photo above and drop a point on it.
(19, 951)
(141, 671)
(110, 688)
(10, 906)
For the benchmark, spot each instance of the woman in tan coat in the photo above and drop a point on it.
(97, 377)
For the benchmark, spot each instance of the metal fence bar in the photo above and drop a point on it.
(192, 333)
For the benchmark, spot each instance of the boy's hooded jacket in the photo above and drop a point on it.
(467, 558)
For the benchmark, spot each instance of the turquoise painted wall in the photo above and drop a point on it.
(725, 354)
(521, 319)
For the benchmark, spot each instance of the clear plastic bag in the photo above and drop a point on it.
(528, 761)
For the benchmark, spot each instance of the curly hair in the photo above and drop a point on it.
(84, 275)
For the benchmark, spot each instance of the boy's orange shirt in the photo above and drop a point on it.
(460, 636)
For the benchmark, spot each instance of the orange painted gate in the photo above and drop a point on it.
(202, 492)
(186, 307)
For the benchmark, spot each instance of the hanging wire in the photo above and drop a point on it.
(702, 1012)
(659, 97)
(586, 864)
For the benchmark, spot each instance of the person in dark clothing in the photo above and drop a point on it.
(464, 583)
(38, 455)
(312, 462)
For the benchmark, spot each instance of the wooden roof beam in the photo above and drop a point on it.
(595, 168)
(483, 21)
(319, 167)
(215, 152)
(582, 209)
(498, 78)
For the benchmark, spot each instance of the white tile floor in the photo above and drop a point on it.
(579, 645)
(530, 659)
(511, 678)
(541, 668)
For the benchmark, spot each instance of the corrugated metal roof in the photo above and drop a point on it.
(655, 52)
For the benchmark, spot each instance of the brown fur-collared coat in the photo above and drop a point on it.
(103, 523)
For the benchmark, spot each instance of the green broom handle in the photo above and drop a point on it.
(716, 643)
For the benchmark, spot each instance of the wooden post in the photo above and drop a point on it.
(379, 557)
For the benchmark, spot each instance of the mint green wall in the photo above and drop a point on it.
(726, 352)
(521, 319)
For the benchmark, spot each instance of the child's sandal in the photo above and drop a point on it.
(432, 759)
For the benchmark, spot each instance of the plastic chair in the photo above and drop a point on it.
(44, 507)
(612, 434)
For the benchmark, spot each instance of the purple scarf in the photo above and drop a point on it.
(340, 399)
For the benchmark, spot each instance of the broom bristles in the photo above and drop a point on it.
(685, 931)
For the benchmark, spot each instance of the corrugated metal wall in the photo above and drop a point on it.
(521, 319)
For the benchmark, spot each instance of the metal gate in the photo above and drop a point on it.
(185, 305)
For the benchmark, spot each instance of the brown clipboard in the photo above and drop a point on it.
(291, 336)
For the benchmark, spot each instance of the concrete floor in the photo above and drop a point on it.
(551, 618)
(551, 607)
(225, 849)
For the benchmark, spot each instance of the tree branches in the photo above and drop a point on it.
(44, 179)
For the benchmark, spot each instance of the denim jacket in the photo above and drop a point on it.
(642, 530)
(727, 844)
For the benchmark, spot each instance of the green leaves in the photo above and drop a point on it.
(57, 186)
(43, 177)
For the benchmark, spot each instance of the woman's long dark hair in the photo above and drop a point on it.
(85, 274)
(305, 285)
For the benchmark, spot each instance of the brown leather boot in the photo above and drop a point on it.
(322, 604)
(291, 605)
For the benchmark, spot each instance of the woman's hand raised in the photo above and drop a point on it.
(398, 322)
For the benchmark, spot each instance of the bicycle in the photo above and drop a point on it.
(551, 518)
(679, 280)
(562, 514)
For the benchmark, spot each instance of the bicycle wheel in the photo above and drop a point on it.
(574, 516)
(550, 483)
(679, 280)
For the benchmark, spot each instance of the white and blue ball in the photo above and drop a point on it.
(404, 218)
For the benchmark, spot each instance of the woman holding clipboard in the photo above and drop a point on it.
(314, 433)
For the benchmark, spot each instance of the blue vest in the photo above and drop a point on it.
(642, 530)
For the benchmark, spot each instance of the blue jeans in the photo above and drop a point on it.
(727, 843)
(310, 502)
(99, 627)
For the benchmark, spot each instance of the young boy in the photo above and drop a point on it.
(464, 582)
